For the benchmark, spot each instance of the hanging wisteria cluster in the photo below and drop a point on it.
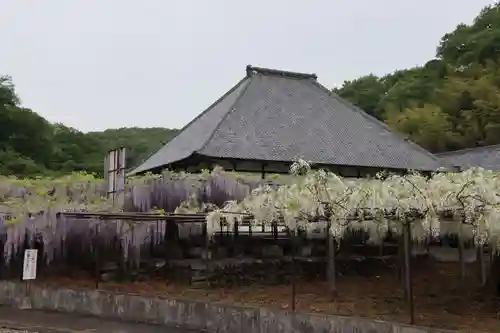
(469, 201)
(171, 190)
(85, 192)
(77, 192)
(29, 207)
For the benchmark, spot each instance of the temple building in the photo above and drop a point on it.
(272, 117)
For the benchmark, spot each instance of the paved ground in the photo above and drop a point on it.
(30, 321)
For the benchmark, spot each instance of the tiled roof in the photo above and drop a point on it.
(487, 157)
(274, 115)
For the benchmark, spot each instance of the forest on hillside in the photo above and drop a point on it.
(448, 103)
(451, 101)
(31, 146)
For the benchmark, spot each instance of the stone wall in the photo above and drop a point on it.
(211, 317)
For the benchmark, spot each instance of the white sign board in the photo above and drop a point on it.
(29, 265)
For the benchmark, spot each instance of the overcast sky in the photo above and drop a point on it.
(97, 64)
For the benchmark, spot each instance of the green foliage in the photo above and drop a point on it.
(364, 92)
(427, 125)
(452, 101)
(473, 44)
(13, 163)
(140, 142)
(31, 146)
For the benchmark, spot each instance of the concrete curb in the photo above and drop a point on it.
(184, 314)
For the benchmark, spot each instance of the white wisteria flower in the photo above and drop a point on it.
(379, 205)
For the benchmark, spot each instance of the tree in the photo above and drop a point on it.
(8, 96)
(141, 143)
(473, 44)
(13, 163)
(23, 133)
(427, 126)
(30, 145)
(365, 92)
(450, 102)
(75, 151)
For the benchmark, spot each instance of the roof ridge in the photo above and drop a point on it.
(251, 70)
(375, 121)
(230, 110)
(464, 150)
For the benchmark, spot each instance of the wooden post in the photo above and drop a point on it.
(408, 272)
(461, 256)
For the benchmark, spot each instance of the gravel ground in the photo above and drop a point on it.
(7, 330)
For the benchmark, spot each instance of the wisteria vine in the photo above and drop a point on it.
(469, 200)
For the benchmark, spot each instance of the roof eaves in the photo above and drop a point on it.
(140, 170)
(322, 163)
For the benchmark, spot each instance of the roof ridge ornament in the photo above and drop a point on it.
(251, 70)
